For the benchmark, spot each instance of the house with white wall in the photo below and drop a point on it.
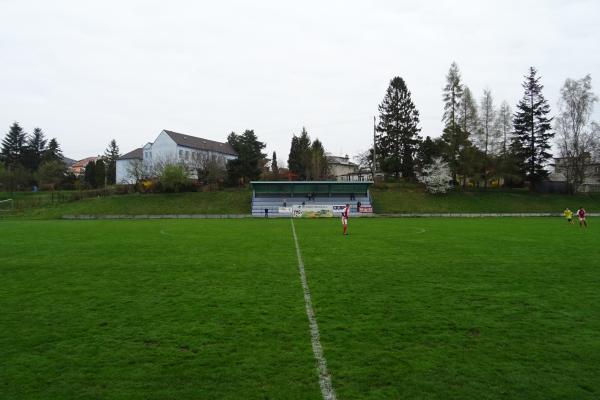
(341, 167)
(591, 182)
(172, 148)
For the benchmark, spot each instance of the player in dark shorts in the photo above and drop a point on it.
(581, 215)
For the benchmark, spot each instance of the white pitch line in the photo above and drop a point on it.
(324, 377)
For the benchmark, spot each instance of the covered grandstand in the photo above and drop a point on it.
(281, 197)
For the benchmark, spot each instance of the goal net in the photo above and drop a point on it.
(6, 205)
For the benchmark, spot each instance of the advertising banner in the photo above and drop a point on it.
(285, 210)
(312, 211)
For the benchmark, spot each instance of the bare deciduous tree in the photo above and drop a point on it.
(487, 134)
(577, 137)
(503, 127)
(209, 169)
(135, 170)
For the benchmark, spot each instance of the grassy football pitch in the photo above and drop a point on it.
(214, 309)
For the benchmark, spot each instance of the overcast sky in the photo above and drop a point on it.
(87, 72)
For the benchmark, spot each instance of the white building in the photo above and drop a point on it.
(341, 167)
(592, 174)
(171, 148)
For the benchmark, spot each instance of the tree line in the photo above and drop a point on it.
(483, 143)
(31, 160)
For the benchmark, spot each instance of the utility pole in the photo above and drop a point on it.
(374, 147)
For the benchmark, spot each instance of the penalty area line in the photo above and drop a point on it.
(324, 376)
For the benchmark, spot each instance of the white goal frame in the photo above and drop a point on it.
(11, 203)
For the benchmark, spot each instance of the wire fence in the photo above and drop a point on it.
(15, 202)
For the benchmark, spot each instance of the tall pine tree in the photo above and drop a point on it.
(300, 155)
(111, 154)
(274, 166)
(248, 164)
(89, 175)
(533, 130)
(398, 130)
(318, 162)
(14, 146)
(36, 146)
(100, 170)
(53, 151)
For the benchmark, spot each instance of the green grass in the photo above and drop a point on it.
(151, 310)
(456, 309)
(221, 202)
(212, 309)
(414, 200)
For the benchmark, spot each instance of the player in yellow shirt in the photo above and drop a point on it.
(568, 215)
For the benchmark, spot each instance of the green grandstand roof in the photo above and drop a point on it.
(314, 182)
(316, 187)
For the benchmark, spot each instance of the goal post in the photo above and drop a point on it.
(7, 205)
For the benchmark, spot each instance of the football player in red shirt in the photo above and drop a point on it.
(581, 215)
(345, 215)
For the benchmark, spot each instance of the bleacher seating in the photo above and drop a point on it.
(273, 203)
(272, 195)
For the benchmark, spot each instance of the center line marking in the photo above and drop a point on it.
(324, 376)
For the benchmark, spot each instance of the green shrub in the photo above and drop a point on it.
(174, 178)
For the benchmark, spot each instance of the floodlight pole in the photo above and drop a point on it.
(374, 169)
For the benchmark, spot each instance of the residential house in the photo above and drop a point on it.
(340, 167)
(592, 179)
(78, 168)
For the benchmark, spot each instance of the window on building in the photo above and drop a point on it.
(180, 153)
(187, 155)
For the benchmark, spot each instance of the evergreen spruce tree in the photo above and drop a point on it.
(89, 175)
(274, 166)
(13, 146)
(53, 151)
(294, 163)
(533, 130)
(248, 164)
(428, 150)
(111, 154)
(300, 156)
(318, 162)
(398, 130)
(36, 146)
(100, 173)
